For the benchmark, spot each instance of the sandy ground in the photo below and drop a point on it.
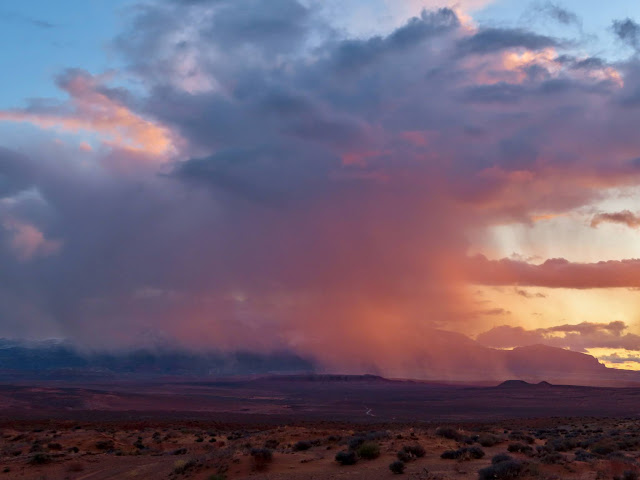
(134, 451)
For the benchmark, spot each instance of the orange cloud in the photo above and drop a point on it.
(28, 242)
(91, 109)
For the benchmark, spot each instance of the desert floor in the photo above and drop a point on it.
(554, 448)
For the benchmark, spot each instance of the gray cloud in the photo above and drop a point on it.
(321, 189)
(628, 31)
(624, 217)
(577, 337)
(490, 40)
(559, 13)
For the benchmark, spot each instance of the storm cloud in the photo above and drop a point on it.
(274, 184)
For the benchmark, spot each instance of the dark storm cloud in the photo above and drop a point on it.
(15, 175)
(318, 190)
(491, 40)
(352, 54)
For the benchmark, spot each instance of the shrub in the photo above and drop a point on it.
(603, 448)
(355, 442)
(397, 467)
(583, 456)
(301, 446)
(183, 466)
(261, 457)
(520, 448)
(475, 452)
(501, 471)
(489, 440)
(521, 437)
(40, 459)
(562, 445)
(450, 454)
(501, 457)
(404, 456)
(450, 433)
(346, 457)
(553, 458)
(416, 450)
(369, 451)
(271, 443)
(466, 453)
(105, 445)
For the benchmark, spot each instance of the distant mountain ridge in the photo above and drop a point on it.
(450, 357)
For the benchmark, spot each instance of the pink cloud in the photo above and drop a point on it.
(28, 242)
(92, 109)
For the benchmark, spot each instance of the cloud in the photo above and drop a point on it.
(93, 108)
(559, 13)
(625, 217)
(14, 175)
(555, 273)
(492, 40)
(526, 294)
(28, 242)
(304, 189)
(579, 337)
(628, 31)
(615, 358)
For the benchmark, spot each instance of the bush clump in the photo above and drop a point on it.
(301, 446)
(397, 467)
(553, 458)
(416, 450)
(584, 456)
(105, 445)
(501, 457)
(404, 456)
(271, 443)
(40, 459)
(521, 437)
(489, 440)
(261, 457)
(346, 457)
(466, 453)
(183, 466)
(506, 470)
(520, 448)
(450, 433)
(369, 450)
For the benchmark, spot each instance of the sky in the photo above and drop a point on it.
(336, 178)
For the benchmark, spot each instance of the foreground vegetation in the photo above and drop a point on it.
(551, 449)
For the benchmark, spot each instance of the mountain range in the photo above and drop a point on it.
(451, 357)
